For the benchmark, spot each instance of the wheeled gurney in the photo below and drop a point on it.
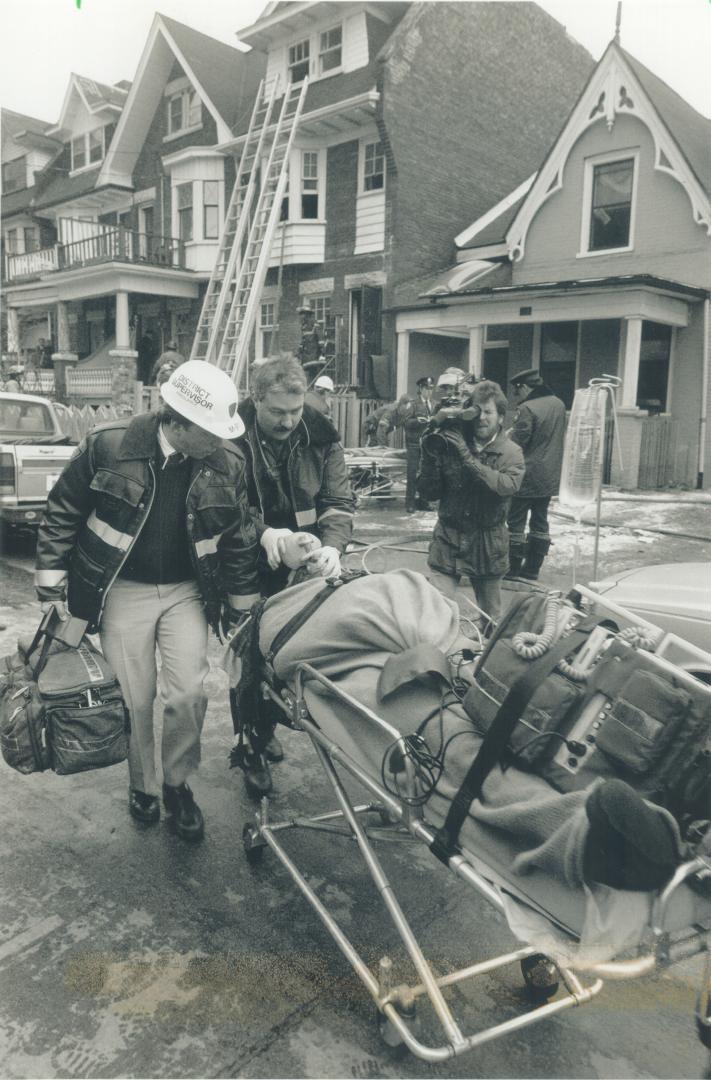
(375, 703)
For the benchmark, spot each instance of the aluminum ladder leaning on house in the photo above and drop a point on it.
(234, 291)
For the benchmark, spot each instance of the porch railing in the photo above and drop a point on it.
(110, 245)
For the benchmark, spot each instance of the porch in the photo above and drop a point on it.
(98, 244)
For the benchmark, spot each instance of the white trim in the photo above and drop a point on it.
(306, 517)
(107, 533)
(369, 140)
(489, 251)
(491, 215)
(190, 153)
(376, 278)
(612, 90)
(206, 547)
(590, 164)
(145, 196)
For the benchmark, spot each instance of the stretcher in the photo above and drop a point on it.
(570, 941)
(375, 472)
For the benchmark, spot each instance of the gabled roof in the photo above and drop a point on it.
(491, 227)
(225, 78)
(619, 85)
(14, 123)
(690, 129)
(96, 97)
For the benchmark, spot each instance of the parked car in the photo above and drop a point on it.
(33, 451)
(675, 596)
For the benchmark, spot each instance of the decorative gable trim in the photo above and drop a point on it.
(613, 90)
(115, 168)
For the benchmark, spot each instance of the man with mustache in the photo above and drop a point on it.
(297, 482)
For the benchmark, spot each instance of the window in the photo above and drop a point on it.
(184, 111)
(559, 358)
(96, 145)
(299, 61)
(309, 184)
(654, 354)
(329, 52)
(31, 238)
(321, 307)
(89, 148)
(266, 328)
(184, 195)
(373, 167)
(14, 175)
(11, 241)
(611, 205)
(78, 152)
(210, 209)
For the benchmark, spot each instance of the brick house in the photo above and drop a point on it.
(132, 203)
(599, 263)
(409, 130)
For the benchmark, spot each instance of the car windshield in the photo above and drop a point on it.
(23, 418)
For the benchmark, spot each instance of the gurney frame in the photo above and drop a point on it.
(396, 1003)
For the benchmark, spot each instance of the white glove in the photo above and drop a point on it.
(326, 563)
(272, 540)
(298, 549)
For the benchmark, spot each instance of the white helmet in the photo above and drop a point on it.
(324, 383)
(206, 396)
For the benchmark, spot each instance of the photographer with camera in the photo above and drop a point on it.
(474, 469)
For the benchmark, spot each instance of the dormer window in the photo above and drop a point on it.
(14, 175)
(90, 148)
(184, 111)
(330, 49)
(299, 55)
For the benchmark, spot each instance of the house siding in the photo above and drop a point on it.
(341, 193)
(459, 141)
(666, 241)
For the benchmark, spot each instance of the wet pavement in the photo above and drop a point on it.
(127, 953)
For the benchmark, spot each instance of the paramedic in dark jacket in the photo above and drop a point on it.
(415, 419)
(298, 482)
(539, 429)
(474, 470)
(148, 535)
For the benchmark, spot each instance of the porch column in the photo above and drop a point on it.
(629, 418)
(476, 350)
(13, 330)
(125, 392)
(63, 358)
(630, 371)
(403, 362)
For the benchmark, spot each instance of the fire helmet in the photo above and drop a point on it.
(324, 383)
(206, 396)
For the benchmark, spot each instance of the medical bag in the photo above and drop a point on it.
(61, 705)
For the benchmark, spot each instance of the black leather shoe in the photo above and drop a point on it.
(186, 816)
(142, 807)
(257, 776)
(274, 751)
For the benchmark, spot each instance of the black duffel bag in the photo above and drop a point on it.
(61, 705)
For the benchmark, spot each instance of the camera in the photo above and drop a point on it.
(453, 414)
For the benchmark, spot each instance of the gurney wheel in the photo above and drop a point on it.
(540, 976)
(253, 844)
(389, 1034)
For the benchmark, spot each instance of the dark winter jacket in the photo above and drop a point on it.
(539, 429)
(474, 494)
(98, 506)
(319, 490)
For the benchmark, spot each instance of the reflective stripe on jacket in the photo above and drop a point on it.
(98, 506)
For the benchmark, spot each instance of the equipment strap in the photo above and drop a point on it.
(496, 739)
(297, 621)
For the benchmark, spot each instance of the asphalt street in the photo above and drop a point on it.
(125, 952)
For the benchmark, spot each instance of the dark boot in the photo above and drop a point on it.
(183, 812)
(517, 553)
(536, 551)
(274, 751)
(257, 776)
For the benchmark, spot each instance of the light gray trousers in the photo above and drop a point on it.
(137, 620)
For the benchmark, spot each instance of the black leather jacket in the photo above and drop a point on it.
(98, 506)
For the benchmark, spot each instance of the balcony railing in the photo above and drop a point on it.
(110, 245)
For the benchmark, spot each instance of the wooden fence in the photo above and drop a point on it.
(666, 458)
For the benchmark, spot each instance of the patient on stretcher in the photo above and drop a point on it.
(393, 643)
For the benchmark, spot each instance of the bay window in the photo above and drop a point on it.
(184, 196)
(330, 49)
(210, 209)
(309, 184)
(373, 167)
(299, 59)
